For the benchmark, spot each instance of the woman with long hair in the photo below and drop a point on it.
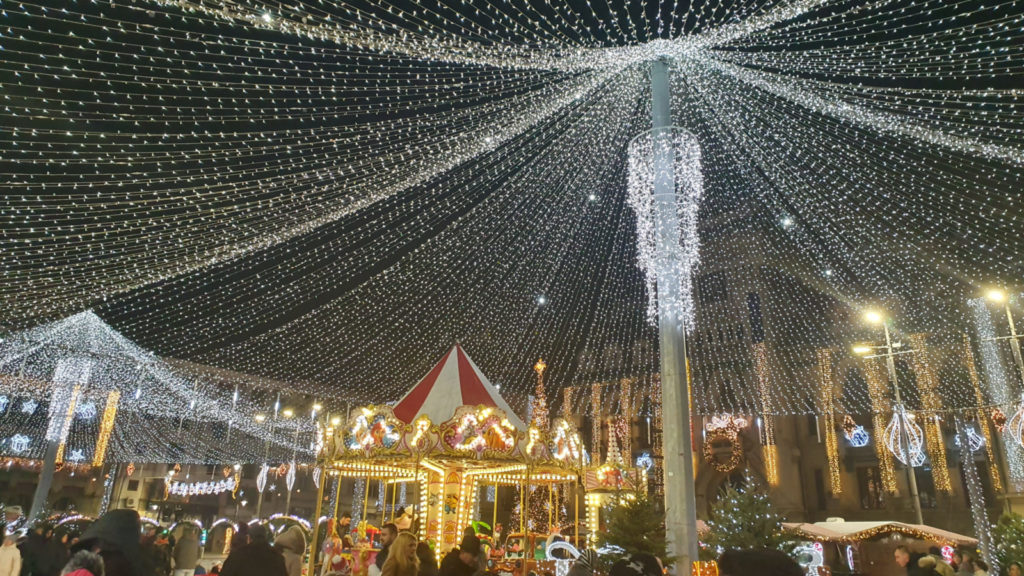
(402, 560)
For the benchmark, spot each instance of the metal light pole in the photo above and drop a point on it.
(680, 499)
(890, 363)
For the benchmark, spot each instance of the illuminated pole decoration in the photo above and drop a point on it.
(993, 464)
(998, 381)
(106, 427)
(69, 376)
(976, 495)
(769, 449)
(928, 386)
(665, 186)
(878, 392)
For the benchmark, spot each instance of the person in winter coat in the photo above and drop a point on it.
(257, 558)
(33, 553)
(10, 557)
(292, 545)
(915, 564)
(83, 563)
(186, 554)
(402, 561)
(584, 564)
(115, 537)
(428, 562)
(461, 561)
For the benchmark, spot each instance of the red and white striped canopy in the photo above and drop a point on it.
(455, 381)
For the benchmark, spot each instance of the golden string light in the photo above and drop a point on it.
(878, 388)
(828, 410)
(106, 427)
(928, 387)
(769, 450)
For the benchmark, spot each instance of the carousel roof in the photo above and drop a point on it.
(454, 381)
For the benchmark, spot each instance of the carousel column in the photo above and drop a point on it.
(680, 500)
(452, 507)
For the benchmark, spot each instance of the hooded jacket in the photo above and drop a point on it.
(186, 552)
(292, 544)
(116, 536)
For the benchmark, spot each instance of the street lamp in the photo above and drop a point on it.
(875, 317)
(998, 296)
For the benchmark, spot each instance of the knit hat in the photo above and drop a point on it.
(470, 544)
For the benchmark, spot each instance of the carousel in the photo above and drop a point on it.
(450, 437)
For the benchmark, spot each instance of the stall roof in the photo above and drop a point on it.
(842, 531)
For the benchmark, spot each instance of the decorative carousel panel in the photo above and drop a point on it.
(421, 436)
(535, 447)
(373, 430)
(565, 444)
(478, 431)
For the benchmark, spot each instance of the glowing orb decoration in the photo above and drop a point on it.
(261, 478)
(915, 438)
(850, 558)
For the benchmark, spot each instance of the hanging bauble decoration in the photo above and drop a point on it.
(316, 476)
(130, 469)
(1015, 425)
(226, 471)
(975, 441)
(998, 419)
(915, 437)
(282, 469)
(289, 478)
(855, 434)
(261, 478)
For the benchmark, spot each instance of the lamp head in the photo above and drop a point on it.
(287, 412)
(261, 417)
(861, 350)
(874, 317)
(996, 295)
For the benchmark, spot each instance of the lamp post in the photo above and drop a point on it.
(876, 318)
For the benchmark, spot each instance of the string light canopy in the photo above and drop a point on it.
(59, 373)
(333, 193)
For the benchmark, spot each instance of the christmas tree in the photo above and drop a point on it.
(1008, 537)
(637, 524)
(743, 518)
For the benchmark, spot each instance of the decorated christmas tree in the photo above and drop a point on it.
(1008, 537)
(636, 524)
(743, 518)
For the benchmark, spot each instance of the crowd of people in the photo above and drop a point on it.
(964, 563)
(114, 545)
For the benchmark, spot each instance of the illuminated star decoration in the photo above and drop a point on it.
(3, 403)
(29, 406)
(76, 456)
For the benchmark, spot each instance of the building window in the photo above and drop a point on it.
(133, 485)
(869, 485)
(812, 425)
(819, 488)
(756, 322)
